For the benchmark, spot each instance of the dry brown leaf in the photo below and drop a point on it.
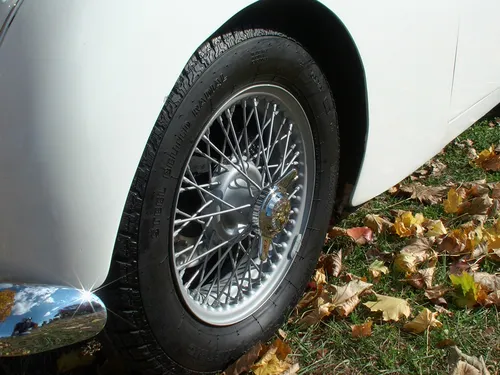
(417, 252)
(346, 297)
(331, 263)
(489, 160)
(493, 299)
(437, 168)
(392, 308)
(437, 293)
(245, 362)
(464, 364)
(477, 206)
(407, 225)
(424, 194)
(423, 321)
(362, 330)
(378, 224)
(463, 265)
(489, 281)
(422, 278)
(463, 368)
(443, 311)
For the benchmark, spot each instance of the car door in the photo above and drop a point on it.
(476, 86)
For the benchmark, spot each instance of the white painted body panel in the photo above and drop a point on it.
(87, 79)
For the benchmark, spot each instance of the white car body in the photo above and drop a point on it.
(82, 84)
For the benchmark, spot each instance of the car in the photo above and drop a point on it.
(169, 169)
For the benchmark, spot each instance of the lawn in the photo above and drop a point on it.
(327, 345)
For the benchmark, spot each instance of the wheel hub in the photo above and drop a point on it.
(234, 189)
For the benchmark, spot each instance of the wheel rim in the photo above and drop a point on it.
(243, 204)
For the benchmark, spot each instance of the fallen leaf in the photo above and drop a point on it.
(445, 343)
(423, 321)
(477, 206)
(362, 330)
(361, 235)
(443, 311)
(392, 308)
(331, 263)
(422, 278)
(435, 228)
(463, 265)
(493, 299)
(245, 362)
(341, 299)
(270, 364)
(490, 282)
(489, 160)
(407, 225)
(437, 293)
(437, 168)
(424, 194)
(453, 201)
(467, 290)
(319, 277)
(377, 268)
(416, 253)
(464, 364)
(378, 224)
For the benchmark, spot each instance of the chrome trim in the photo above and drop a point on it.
(8, 10)
(37, 318)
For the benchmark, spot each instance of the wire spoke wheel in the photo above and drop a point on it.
(243, 204)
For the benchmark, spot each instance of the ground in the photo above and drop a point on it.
(328, 347)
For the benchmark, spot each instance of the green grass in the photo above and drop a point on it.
(328, 347)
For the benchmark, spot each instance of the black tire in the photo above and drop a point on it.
(155, 329)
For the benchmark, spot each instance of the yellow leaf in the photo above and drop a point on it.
(423, 321)
(378, 268)
(407, 225)
(453, 201)
(270, 364)
(362, 330)
(489, 160)
(392, 308)
(435, 228)
(467, 290)
(319, 277)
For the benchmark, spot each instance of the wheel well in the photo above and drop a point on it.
(311, 24)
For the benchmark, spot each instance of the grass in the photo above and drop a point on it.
(328, 347)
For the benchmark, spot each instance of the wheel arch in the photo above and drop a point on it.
(341, 63)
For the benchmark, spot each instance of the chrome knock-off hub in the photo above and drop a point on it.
(271, 211)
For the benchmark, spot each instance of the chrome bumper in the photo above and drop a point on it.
(37, 318)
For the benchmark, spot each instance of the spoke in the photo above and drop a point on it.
(233, 131)
(230, 162)
(208, 193)
(187, 215)
(201, 278)
(235, 265)
(176, 222)
(199, 241)
(188, 170)
(184, 265)
(275, 112)
(198, 151)
(226, 134)
(195, 216)
(208, 151)
(184, 251)
(283, 161)
(291, 162)
(245, 126)
(295, 192)
(261, 138)
(286, 145)
(182, 190)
